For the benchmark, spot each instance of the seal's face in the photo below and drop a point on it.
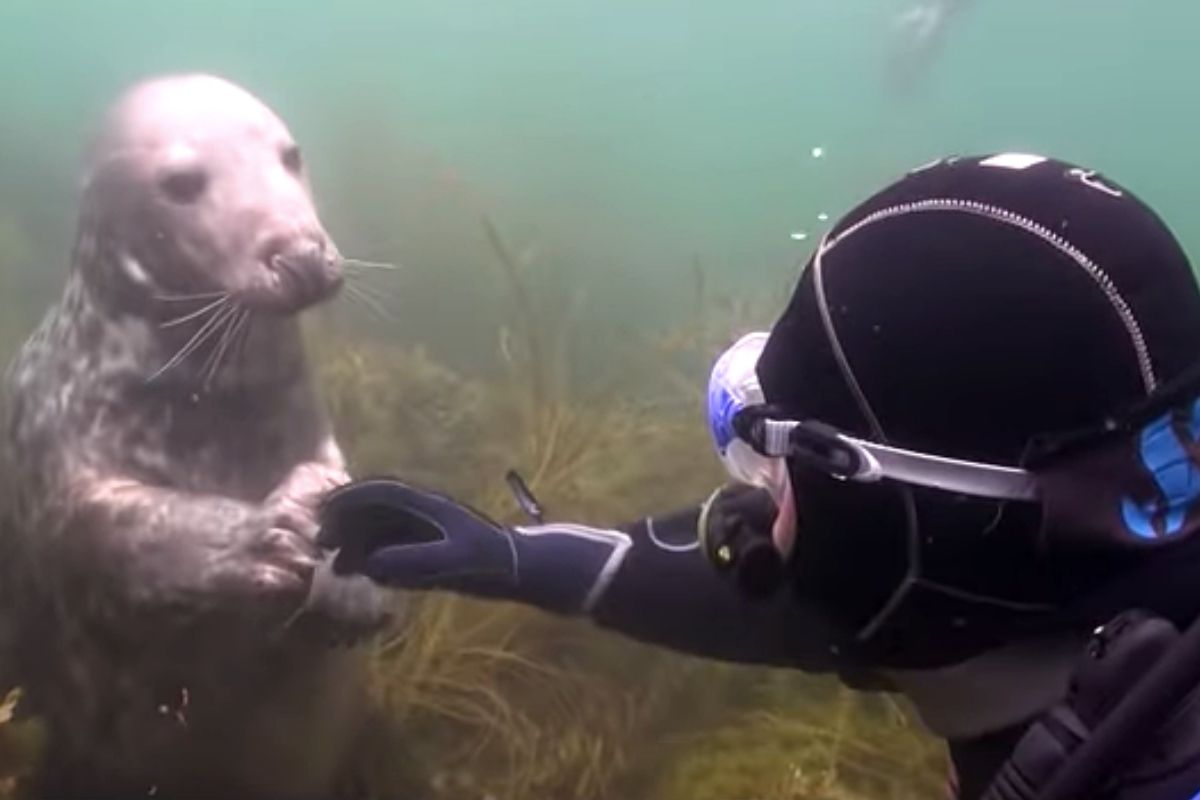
(195, 187)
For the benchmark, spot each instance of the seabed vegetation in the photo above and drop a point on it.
(496, 701)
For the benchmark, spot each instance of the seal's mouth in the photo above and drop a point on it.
(296, 276)
(303, 283)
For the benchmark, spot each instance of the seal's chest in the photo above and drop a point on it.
(235, 449)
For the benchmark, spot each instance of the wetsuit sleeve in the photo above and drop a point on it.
(647, 580)
(665, 592)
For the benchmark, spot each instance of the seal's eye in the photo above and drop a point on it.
(184, 185)
(291, 159)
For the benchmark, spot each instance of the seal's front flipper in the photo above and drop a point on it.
(346, 610)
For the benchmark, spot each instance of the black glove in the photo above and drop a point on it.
(402, 536)
(735, 531)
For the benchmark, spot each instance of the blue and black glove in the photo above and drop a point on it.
(402, 536)
(652, 579)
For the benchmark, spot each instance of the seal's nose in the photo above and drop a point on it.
(307, 269)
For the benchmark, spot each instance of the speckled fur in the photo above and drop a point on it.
(154, 568)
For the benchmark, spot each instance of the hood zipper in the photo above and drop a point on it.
(997, 214)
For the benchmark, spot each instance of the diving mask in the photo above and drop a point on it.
(738, 527)
(752, 443)
(1131, 482)
(732, 387)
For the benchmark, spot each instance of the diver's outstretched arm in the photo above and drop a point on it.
(647, 579)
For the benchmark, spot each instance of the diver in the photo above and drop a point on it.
(965, 469)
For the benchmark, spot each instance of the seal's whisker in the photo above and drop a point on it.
(240, 328)
(377, 300)
(231, 333)
(355, 296)
(213, 306)
(370, 303)
(243, 334)
(369, 294)
(184, 298)
(198, 338)
(358, 263)
(380, 293)
(214, 327)
(209, 367)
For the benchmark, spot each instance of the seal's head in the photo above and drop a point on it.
(195, 187)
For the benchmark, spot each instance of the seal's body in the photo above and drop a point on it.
(167, 453)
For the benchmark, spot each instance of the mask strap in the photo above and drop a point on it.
(848, 458)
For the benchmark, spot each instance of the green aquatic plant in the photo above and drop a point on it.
(22, 742)
(400, 412)
(580, 450)
(820, 741)
(680, 355)
(488, 696)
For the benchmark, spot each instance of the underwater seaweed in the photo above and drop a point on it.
(821, 742)
(22, 742)
(681, 355)
(494, 708)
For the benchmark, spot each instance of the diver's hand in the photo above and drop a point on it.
(402, 536)
(735, 531)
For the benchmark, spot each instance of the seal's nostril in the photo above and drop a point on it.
(304, 269)
(274, 250)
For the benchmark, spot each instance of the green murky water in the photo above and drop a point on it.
(632, 137)
(631, 146)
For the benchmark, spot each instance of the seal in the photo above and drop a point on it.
(175, 622)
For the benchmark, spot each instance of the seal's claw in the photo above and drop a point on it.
(346, 609)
